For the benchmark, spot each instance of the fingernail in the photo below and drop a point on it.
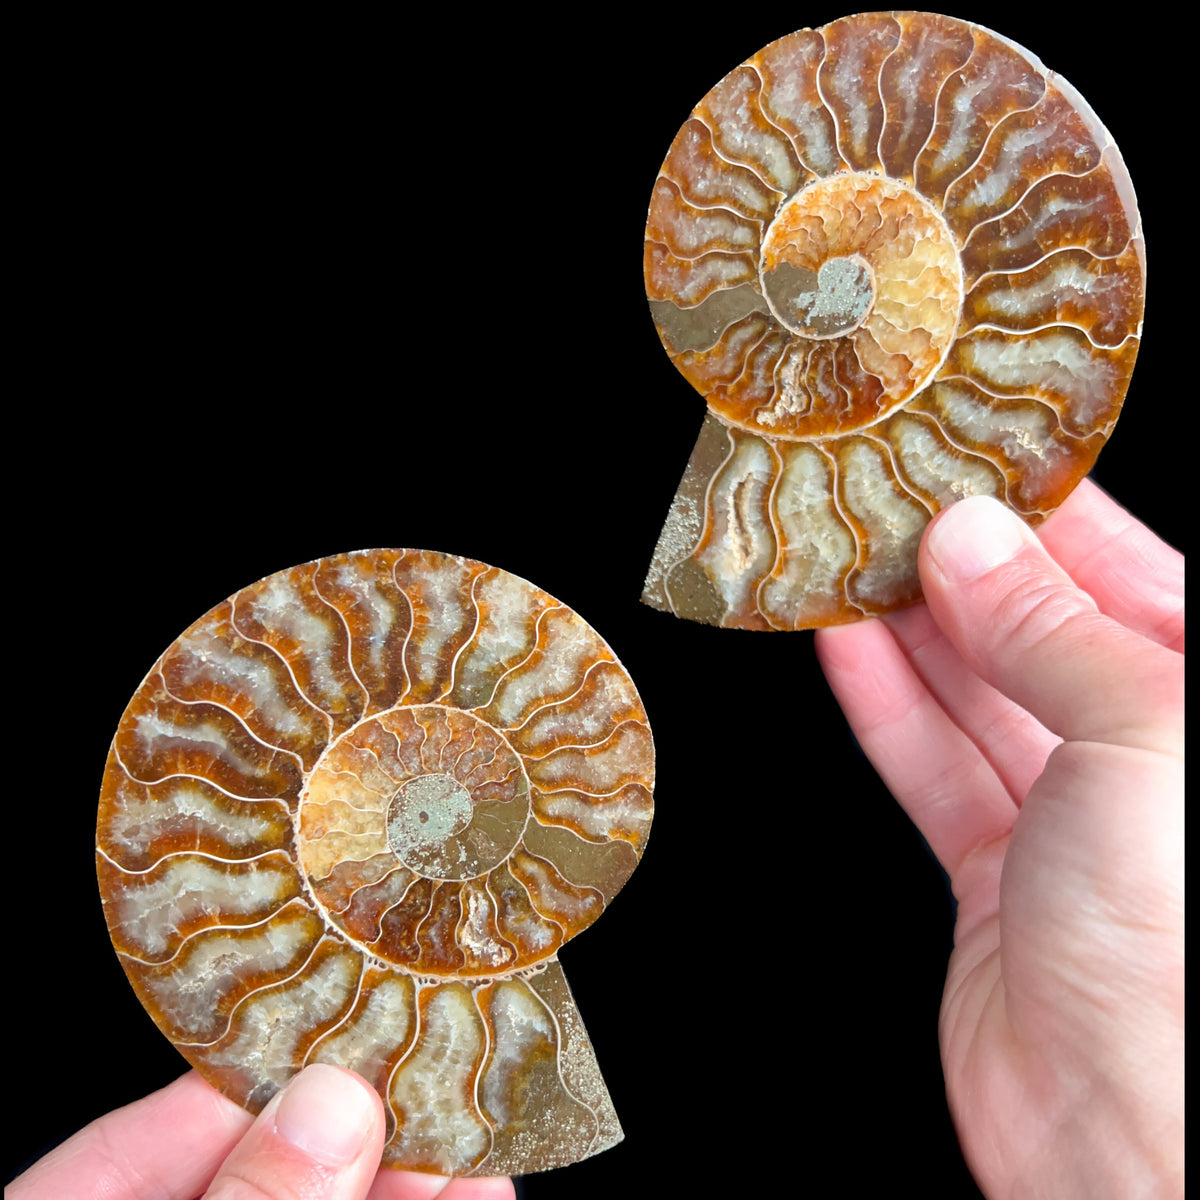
(974, 536)
(325, 1113)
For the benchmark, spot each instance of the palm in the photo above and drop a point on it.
(1064, 929)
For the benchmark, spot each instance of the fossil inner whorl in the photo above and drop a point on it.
(864, 258)
(422, 813)
(828, 302)
(371, 794)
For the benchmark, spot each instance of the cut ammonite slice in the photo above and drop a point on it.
(903, 264)
(350, 816)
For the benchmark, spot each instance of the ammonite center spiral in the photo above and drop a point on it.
(903, 264)
(843, 259)
(830, 301)
(350, 817)
(425, 814)
(456, 822)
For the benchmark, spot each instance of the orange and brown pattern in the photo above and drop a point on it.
(350, 816)
(902, 262)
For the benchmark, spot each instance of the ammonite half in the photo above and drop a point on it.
(902, 262)
(350, 816)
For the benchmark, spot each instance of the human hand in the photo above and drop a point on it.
(1033, 732)
(321, 1136)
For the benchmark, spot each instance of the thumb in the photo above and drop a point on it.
(321, 1136)
(1020, 623)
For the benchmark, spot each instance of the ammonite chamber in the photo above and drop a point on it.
(903, 264)
(350, 816)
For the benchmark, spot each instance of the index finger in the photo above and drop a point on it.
(1132, 574)
(168, 1145)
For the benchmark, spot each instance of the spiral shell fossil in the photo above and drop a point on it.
(903, 264)
(350, 816)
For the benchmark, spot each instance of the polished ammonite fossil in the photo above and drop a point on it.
(902, 262)
(350, 816)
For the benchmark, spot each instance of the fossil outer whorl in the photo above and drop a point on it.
(350, 816)
(903, 264)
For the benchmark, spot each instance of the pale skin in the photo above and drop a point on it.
(321, 1136)
(1029, 718)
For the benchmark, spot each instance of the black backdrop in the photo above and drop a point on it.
(307, 290)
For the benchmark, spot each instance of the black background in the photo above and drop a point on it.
(310, 289)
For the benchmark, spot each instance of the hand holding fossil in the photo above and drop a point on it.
(1030, 721)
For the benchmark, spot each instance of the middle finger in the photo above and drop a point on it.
(1015, 744)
